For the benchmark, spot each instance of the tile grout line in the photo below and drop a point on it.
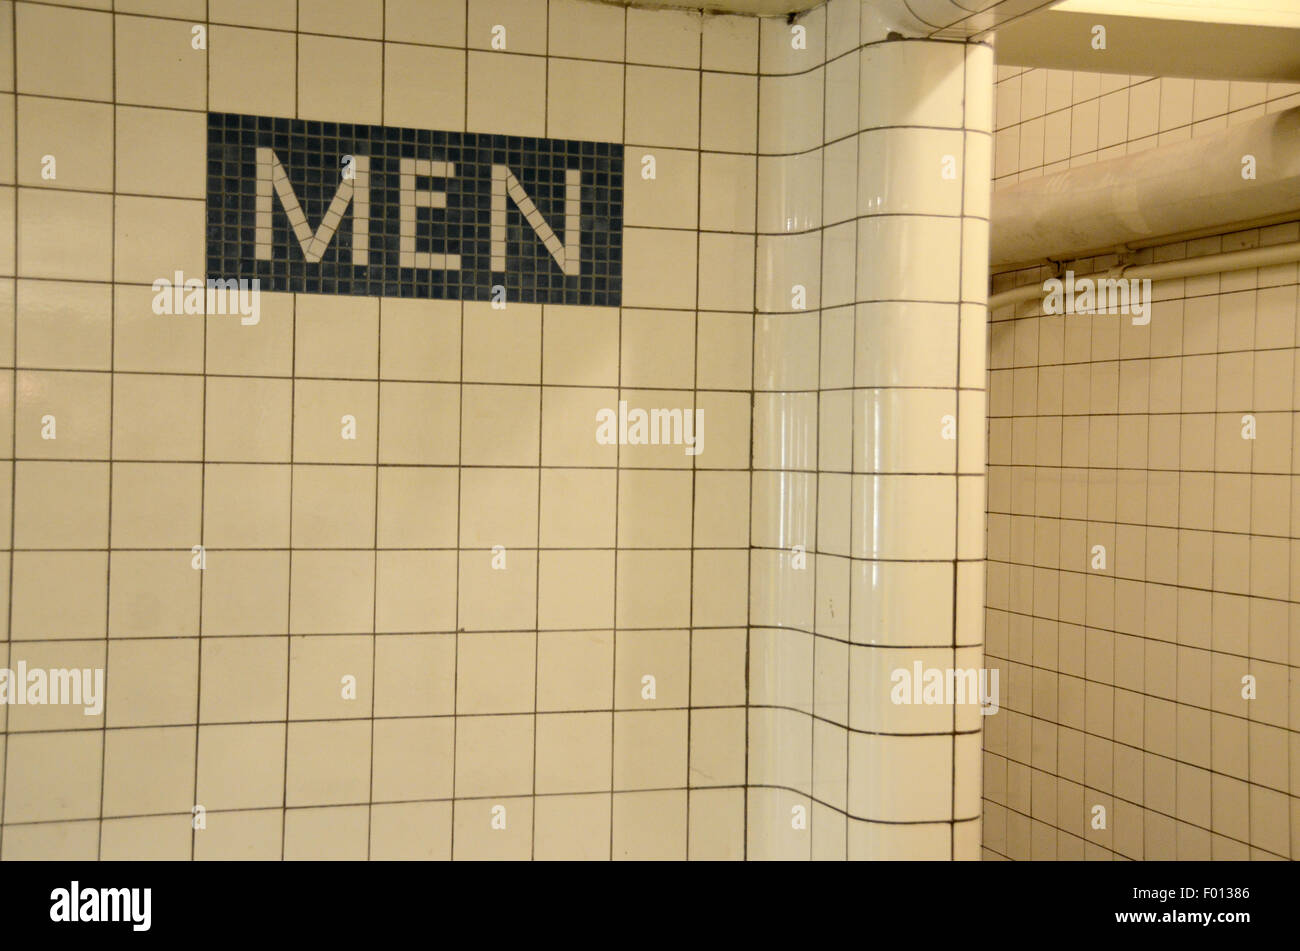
(695, 389)
(956, 529)
(293, 432)
(817, 462)
(618, 467)
(853, 448)
(203, 478)
(541, 396)
(460, 459)
(753, 409)
(481, 798)
(112, 389)
(13, 434)
(379, 397)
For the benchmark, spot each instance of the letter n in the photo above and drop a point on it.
(271, 175)
(565, 253)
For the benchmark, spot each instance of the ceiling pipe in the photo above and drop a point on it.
(1246, 172)
(1169, 270)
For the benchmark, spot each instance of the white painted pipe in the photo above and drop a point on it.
(1170, 270)
(1196, 184)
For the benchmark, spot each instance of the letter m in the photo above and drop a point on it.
(271, 176)
(115, 904)
(565, 253)
(1116, 295)
(66, 684)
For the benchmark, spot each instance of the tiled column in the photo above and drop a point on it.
(873, 183)
(910, 513)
